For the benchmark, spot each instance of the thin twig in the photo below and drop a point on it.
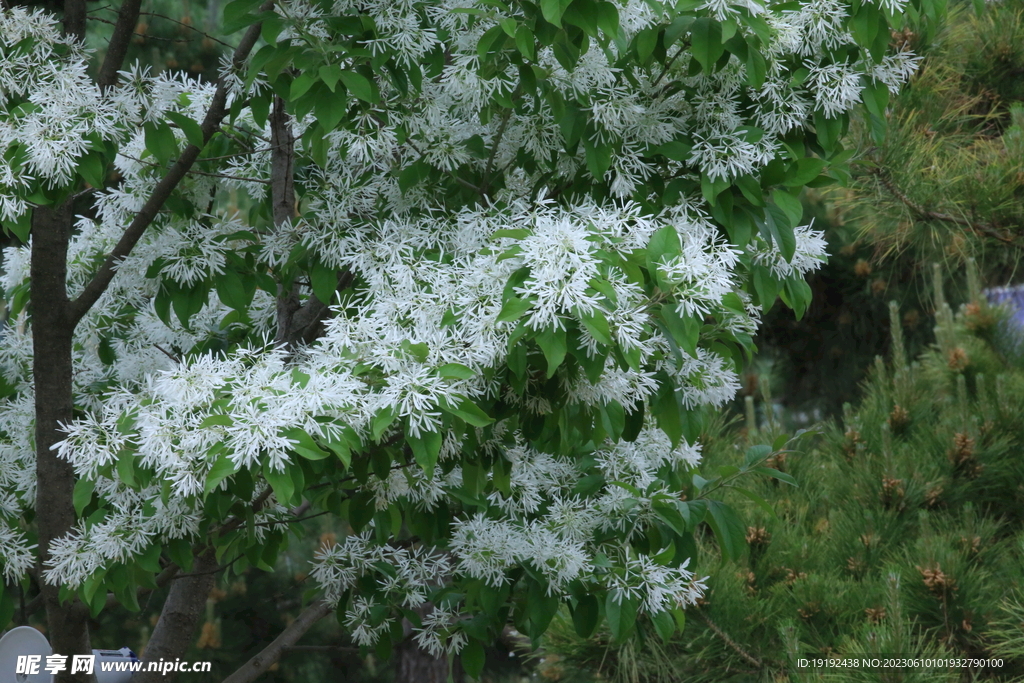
(204, 173)
(142, 35)
(167, 353)
(179, 23)
(729, 641)
(211, 571)
(682, 49)
(276, 522)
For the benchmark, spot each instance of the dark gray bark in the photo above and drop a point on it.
(52, 371)
(178, 620)
(414, 665)
(74, 19)
(297, 322)
(117, 48)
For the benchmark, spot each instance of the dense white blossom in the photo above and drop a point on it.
(424, 326)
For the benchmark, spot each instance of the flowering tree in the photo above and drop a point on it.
(499, 259)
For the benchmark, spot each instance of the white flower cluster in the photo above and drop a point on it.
(411, 572)
(430, 285)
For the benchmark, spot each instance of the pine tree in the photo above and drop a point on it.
(903, 537)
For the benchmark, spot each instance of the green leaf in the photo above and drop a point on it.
(301, 85)
(586, 615)
(621, 616)
(455, 371)
(525, 43)
(766, 287)
(330, 74)
(425, 449)
(876, 98)
(646, 40)
(324, 280)
(599, 157)
(791, 207)
(552, 342)
(513, 309)
(82, 494)
(193, 131)
(149, 560)
(669, 513)
(282, 483)
(93, 169)
(685, 330)
(381, 421)
(608, 19)
(706, 42)
(553, 10)
(180, 552)
(757, 453)
(218, 420)
(776, 474)
(126, 468)
(468, 411)
(664, 624)
(360, 86)
(757, 68)
(541, 608)
(663, 246)
(779, 230)
(237, 14)
(828, 131)
(728, 528)
(676, 150)
(234, 290)
(804, 171)
(304, 444)
(341, 450)
(866, 23)
(491, 41)
(473, 658)
(160, 141)
(597, 325)
(221, 470)
(330, 110)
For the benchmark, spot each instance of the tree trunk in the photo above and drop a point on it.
(413, 665)
(180, 616)
(52, 330)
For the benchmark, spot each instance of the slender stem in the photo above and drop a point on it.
(682, 49)
(729, 641)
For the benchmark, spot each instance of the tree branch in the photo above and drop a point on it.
(270, 654)
(979, 228)
(117, 48)
(94, 290)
